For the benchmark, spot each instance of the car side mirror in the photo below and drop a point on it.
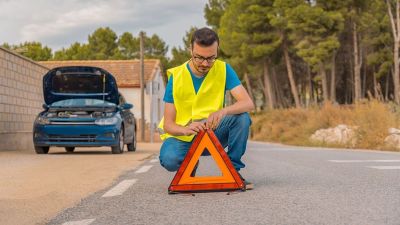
(127, 106)
(45, 106)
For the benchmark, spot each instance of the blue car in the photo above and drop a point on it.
(83, 108)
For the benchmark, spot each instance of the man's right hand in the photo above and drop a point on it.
(194, 128)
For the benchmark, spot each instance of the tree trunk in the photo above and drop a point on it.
(396, 81)
(333, 78)
(395, 23)
(364, 80)
(376, 91)
(291, 77)
(279, 96)
(325, 90)
(268, 87)
(375, 87)
(357, 65)
(248, 86)
(387, 87)
(310, 84)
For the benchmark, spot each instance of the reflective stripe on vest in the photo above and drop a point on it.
(191, 106)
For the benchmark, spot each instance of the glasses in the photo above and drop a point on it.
(200, 59)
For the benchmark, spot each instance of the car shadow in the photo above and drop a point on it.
(82, 153)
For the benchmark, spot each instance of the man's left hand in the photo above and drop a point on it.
(215, 118)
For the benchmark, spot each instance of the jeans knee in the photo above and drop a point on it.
(243, 120)
(170, 162)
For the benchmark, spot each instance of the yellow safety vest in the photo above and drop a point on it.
(191, 106)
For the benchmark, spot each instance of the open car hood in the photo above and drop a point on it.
(79, 82)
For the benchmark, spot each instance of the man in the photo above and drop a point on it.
(194, 101)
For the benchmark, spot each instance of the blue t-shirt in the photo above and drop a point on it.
(232, 81)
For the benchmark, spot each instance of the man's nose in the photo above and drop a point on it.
(205, 63)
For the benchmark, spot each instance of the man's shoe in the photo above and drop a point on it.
(248, 185)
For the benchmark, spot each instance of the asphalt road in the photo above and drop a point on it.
(293, 185)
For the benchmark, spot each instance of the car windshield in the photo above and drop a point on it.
(82, 102)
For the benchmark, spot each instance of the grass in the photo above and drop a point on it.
(295, 126)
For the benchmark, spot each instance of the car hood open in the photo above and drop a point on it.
(79, 82)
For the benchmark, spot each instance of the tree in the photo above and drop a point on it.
(375, 24)
(6, 46)
(33, 50)
(103, 44)
(129, 46)
(181, 55)
(76, 51)
(279, 16)
(393, 7)
(249, 40)
(213, 12)
(315, 34)
(155, 48)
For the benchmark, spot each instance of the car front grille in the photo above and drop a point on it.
(71, 123)
(71, 138)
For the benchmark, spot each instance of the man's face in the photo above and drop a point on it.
(204, 57)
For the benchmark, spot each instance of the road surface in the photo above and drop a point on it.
(293, 185)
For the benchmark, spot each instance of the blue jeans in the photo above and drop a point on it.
(232, 131)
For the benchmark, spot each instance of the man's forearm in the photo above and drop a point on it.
(174, 129)
(239, 107)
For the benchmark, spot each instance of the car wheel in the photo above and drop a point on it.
(132, 146)
(69, 149)
(118, 149)
(42, 150)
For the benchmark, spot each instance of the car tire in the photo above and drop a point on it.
(69, 149)
(42, 150)
(132, 146)
(118, 149)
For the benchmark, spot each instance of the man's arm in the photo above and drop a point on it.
(243, 104)
(171, 127)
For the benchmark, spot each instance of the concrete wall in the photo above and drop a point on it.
(21, 99)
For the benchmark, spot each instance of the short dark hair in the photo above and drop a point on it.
(204, 37)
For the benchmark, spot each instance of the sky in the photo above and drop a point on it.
(57, 23)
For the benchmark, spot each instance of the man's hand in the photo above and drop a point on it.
(194, 128)
(215, 118)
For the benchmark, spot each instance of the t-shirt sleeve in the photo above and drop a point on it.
(168, 92)
(232, 79)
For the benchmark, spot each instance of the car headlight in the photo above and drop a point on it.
(106, 121)
(42, 120)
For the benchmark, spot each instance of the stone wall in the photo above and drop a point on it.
(21, 99)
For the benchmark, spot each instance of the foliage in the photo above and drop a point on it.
(33, 50)
(181, 55)
(295, 126)
(315, 32)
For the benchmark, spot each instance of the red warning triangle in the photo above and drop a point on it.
(230, 179)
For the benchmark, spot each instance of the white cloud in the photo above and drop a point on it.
(58, 23)
(62, 22)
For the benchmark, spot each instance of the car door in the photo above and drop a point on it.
(128, 119)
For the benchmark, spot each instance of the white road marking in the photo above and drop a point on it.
(80, 222)
(144, 169)
(365, 161)
(385, 167)
(154, 160)
(120, 188)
